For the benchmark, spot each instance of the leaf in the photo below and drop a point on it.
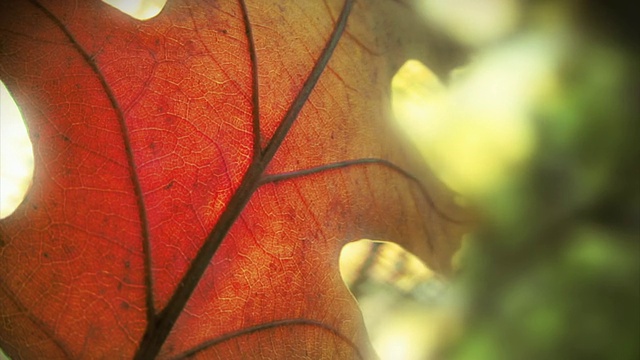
(197, 174)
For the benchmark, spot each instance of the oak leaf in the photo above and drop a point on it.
(197, 174)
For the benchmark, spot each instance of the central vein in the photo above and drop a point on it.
(158, 330)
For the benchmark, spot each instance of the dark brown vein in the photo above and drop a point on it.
(32, 38)
(267, 326)
(272, 178)
(255, 96)
(309, 84)
(135, 180)
(158, 331)
(351, 36)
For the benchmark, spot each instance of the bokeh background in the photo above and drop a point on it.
(539, 134)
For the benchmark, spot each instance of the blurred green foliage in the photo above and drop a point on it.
(555, 271)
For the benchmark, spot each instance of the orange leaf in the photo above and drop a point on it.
(197, 174)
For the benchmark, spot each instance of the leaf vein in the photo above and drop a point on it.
(157, 331)
(272, 178)
(90, 60)
(264, 327)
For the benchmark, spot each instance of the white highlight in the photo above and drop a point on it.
(16, 155)
(139, 9)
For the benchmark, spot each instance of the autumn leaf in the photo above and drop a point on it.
(197, 174)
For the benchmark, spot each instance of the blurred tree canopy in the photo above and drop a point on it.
(554, 273)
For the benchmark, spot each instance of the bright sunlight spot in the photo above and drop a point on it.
(402, 301)
(139, 9)
(396, 347)
(16, 155)
(474, 22)
(475, 132)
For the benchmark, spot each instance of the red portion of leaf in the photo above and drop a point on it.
(173, 210)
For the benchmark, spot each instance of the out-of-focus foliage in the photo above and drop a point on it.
(539, 132)
(555, 271)
(405, 305)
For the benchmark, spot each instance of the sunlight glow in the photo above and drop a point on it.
(16, 155)
(404, 304)
(392, 264)
(475, 132)
(473, 22)
(139, 9)
(395, 347)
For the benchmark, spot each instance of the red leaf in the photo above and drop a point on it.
(198, 173)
